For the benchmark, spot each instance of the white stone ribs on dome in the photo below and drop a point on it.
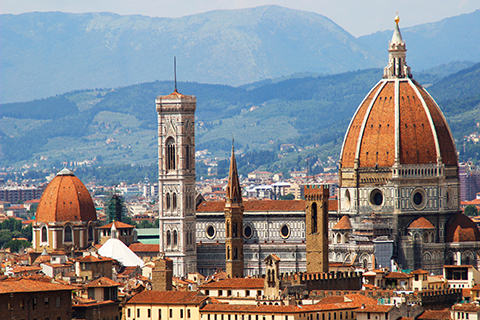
(444, 121)
(430, 120)
(364, 122)
(397, 121)
(353, 118)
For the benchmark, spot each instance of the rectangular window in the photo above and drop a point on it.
(129, 312)
(247, 293)
(171, 313)
(181, 313)
(34, 304)
(159, 314)
(149, 313)
(220, 293)
(58, 302)
(368, 315)
(138, 312)
(229, 293)
(189, 314)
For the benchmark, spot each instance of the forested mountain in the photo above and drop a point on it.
(44, 54)
(119, 125)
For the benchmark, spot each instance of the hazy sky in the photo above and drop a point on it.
(359, 17)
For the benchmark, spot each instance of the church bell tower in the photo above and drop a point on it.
(234, 223)
(176, 180)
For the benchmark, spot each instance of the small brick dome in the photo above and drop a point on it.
(65, 199)
(461, 228)
(398, 118)
(421, 223)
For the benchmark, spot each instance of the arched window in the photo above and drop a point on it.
(90, 233)
(167, 201)
(234, 231)
(175, 240)
(235, 254)
(171, 155)
(169, 241)
(227, 230)
(68, 234)
(314, 218)
(174, 201)
(44, 237)
(425, 237)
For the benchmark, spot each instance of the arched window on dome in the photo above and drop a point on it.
(175, 240)
(67, 234)
(90, 234)
(169, 240)
(314, 218)
(44, 235)
(171, 155)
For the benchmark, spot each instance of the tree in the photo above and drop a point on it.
(471, 211)
(289, 196)
(16, 245)
(144, 224)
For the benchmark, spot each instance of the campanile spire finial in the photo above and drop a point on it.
(175, 71)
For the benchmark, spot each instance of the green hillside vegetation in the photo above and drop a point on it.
(118, 127)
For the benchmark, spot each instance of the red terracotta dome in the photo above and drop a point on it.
(461, 228)
(398, 119)
(398, 122)
(65, 199)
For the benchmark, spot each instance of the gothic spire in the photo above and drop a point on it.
(397, 64)
(234, 192)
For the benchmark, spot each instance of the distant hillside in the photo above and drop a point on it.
(44, 54)
(120, 125)
(49, 53)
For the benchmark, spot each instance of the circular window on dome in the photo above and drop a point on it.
(247, 231)
(211, 232)
(376, 197)
(419, 198)
(285, 231)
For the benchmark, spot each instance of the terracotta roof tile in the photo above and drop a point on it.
(343, 224)
(103, 282)
(140, 247)
(421, 223)
(118, 225)
(263, 206)
(397, 275)
(435, 315)
(374, 308)
(10, 285)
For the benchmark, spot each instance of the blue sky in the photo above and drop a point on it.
(359, 17)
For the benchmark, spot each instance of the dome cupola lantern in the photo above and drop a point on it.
(397, 64)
